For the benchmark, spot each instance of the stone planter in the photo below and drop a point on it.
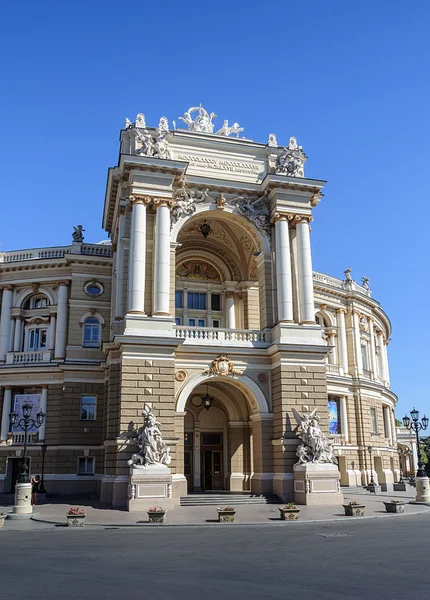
(226, 516)
(157, 517)
(354, 510)
(2, 519)
(289, 514)
(395, 507)
(75, 520)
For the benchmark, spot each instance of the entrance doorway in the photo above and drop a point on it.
(212, 476)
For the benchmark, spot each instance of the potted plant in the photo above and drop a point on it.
(354, 509)
(289, 512)
(395, 506)
(157, 514)
(226, 514)
(2, 518)
(75, 517)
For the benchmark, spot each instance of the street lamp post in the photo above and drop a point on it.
(372, 483)
(421, 481)
(400, 453)
(413, 424)
(26, 423)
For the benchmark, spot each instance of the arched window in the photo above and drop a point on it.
(91, 335)
(35, 302)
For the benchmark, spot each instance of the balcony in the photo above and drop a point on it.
(55, 252)
(248, 338)
(18, 439)
(28, 358)
(333, 370)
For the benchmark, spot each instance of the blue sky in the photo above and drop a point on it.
(349, 79)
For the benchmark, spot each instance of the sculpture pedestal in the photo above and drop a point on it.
(22, 508)
(423, 491)
(149, 486)
(317, 484)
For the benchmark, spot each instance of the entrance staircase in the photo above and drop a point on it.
(221, 498)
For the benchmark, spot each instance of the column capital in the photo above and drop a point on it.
(7, 288)
(298, 219)
(230, 294)
(135, 199)
(64, 282)
(341, 310)
(281, 216)
(158, 202)
(6, 387)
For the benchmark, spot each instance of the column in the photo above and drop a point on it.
(119, 308)
(283, 269)
(357, 341)
(11, 334)
(387, 423)
(137, 255)
(373, 366)
(6, 306)
(7, 409)
(18, 335)
(51, 332)
(162, 258)
(382, 356)
(61, 330)
(185, 305)
(385, 360)
(230, 311)
(43, 407)
(343, 346)
(333, 354)
(304, 263)
(344, 418)
(196, 457)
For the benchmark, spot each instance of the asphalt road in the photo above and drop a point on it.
(370, 559)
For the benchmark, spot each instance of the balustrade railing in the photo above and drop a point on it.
(19, 438)
(332, 369)
(231, 337)
(56, 252)
(25, 358)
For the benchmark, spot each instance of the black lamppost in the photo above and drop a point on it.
(26, 423)
(413, 424)
(401, 454)
(42, 490)
(372, 481)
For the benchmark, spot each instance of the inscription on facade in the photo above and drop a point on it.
(218, 164)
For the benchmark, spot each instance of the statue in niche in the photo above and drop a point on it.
(78, 235)
(152, 449)
(314, 447)
(291, 160)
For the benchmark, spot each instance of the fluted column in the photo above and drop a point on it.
(382, 356)
(283, 268)
(304, 264)
(137, 255)
(343, 346)
(162, 258)
(230, 310)
(18, 334)
(7, 409)
(357, 342)
(344, 418)
(61, 329)
(373, 367)
(387, 423)
(43, 407)
(119, 308)
(5, 316)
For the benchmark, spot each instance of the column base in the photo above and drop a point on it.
(307, 323)
(137, 312)
(161, 314)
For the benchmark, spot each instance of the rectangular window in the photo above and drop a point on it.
(196, 301)
(216, 302)
(192, 322)
(179, 302)
(177, 320)
(88, 408)
(86, 465)
(37, 339)
(364, 357)
(211, 439)
(215, 323)
(91, 335)
(373, 420)
(201, 322)
(333, 416)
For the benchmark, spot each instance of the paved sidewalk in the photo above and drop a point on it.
(52, 512)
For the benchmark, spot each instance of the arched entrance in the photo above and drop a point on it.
(227, 435)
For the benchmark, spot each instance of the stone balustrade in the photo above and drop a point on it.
(25, 358)
(229, 337)
(55, 252)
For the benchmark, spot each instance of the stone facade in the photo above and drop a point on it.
(209, 255)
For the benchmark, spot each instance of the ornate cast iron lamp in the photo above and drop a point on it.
(413, 424)
(372, 481)
(401, 454)
(44, 448)
(207, 400)
(26, 423)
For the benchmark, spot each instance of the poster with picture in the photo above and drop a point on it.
(19, 400)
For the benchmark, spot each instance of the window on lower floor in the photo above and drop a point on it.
(177, 320)
(373, 420)
(215, 323)
(86, 465)
(91, 334)
(179, 299)
(88, 408)
(334, 416)
(215, 302)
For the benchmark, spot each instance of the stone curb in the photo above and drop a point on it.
(259, 524)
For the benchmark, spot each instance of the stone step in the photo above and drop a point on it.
(214, 499)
